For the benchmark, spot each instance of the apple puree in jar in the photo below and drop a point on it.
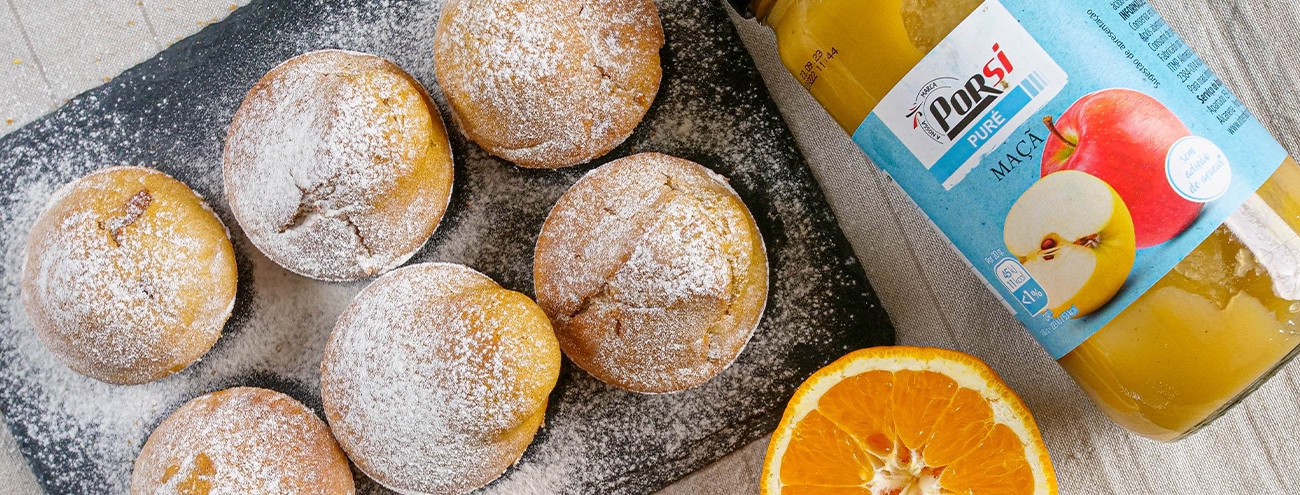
(1208, 332)
(1203, 334)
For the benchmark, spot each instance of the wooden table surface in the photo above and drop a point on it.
(52, 50)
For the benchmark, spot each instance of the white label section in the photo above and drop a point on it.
(970, 93)
(1198, 170)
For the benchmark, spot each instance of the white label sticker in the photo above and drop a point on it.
(1198, 170)
(950, 112)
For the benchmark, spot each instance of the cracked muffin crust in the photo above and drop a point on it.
(653, 273)
(127, 275)
(548, 83)
(435, 378)
(242, 440)
(337, 165)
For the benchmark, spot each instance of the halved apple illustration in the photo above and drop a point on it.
(1074, 234)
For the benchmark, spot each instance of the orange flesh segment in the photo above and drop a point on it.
(822, 454)
(907, 416)
(926, 396)
(960, 432)
(1000, 467)
(860, 405)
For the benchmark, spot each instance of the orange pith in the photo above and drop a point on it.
(907, 421)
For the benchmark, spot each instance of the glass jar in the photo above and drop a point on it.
(1209, 332)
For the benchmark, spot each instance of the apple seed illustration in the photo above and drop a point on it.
(1074, 234)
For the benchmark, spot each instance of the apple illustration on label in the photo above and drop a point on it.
(1123, 137)
(1074, 235)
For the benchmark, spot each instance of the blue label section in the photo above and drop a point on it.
(1082, 52)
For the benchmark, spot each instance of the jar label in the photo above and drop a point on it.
(1073, 152)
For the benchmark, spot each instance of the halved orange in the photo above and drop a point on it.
(907, 421)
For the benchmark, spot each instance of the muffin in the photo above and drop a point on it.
(653, 273)
(435, 378)
(128, 276)
(548, 83)
(242, 440)
(337, 165)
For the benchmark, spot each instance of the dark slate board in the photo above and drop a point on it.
(171, 113)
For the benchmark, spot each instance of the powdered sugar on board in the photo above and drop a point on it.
(171, 113)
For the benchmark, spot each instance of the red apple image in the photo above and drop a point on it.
(1122, 137)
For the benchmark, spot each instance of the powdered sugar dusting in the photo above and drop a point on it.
(316, 156)
(82, 435)
(240, 441)
(650, 269)
(549, 83)
(435, 378)
(125, 278)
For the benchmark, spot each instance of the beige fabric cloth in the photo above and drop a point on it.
(932, 296)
